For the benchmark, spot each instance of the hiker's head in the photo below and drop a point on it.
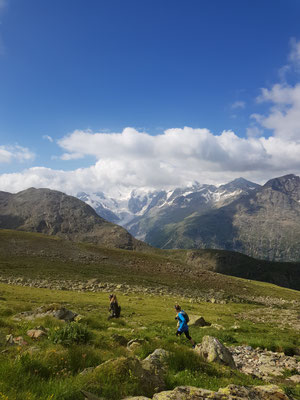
(177, 307)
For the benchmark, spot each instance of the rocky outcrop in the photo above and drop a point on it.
(212, 350)
(52, 310)
(263, 364)
(270, 392)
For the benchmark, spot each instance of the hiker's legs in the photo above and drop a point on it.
(189, 337)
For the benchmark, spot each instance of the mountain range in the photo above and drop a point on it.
(223, 214)
(260, 221)
(55, 213)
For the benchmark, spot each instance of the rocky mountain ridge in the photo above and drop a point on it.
(260, 221)
(55, 213)
(144, 207)
(264, 224)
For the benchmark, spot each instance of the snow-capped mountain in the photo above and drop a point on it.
(143, 210)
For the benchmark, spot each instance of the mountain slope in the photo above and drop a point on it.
(33, 255)
(263, 224)
(143, 211)
(55, 213)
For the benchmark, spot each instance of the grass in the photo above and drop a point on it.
(50, 368)
(54, 368)
(58, 259)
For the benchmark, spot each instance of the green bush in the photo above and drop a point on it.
(70, 333)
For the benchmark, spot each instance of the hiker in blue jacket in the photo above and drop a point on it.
(183, 326)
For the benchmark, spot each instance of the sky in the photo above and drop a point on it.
(124, 94)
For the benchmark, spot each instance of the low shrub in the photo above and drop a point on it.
(70, 333)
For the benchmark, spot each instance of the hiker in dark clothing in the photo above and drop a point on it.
(182, 324)
(114, 307)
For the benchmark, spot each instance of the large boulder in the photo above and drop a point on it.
(157, 361)
(212, 350)
(149, 381)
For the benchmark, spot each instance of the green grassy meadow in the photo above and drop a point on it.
(43, 369)
(50, 367)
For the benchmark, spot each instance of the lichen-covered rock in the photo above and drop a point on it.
(156, 361)
(267, 392)
(270, 392)
(187, 393)
(212, 350)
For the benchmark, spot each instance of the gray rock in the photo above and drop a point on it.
(64, 314)
(196, 320)
(212, 350)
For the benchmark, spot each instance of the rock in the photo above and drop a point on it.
(137, 398)
(36, 333)
(218, 327)
(87, 371)
(149, 381)
(267, 392)
(134, 344)
(187, 393)
(10, 339)
(212, 350)
(64, 314)
(20, 341)
(270, 392)
(156, 361)
(90, 396)
(195, 320)
(295, 378)
(262, 363)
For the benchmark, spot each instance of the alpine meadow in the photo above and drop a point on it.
(149, 200)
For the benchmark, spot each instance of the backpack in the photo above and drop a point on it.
(185, 316)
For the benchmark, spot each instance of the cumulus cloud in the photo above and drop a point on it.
(15, 153)
(131, 159)
(283, 119)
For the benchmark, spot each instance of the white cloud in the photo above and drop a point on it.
(15, 153)
(283, 118)
(132, 159)
(238, 104)
(47, 137)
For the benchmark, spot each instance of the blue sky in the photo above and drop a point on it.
(75, 74)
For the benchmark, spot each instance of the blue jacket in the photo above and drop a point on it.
(183, 326)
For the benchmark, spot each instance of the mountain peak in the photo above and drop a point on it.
(240, 183)
(287, 184)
